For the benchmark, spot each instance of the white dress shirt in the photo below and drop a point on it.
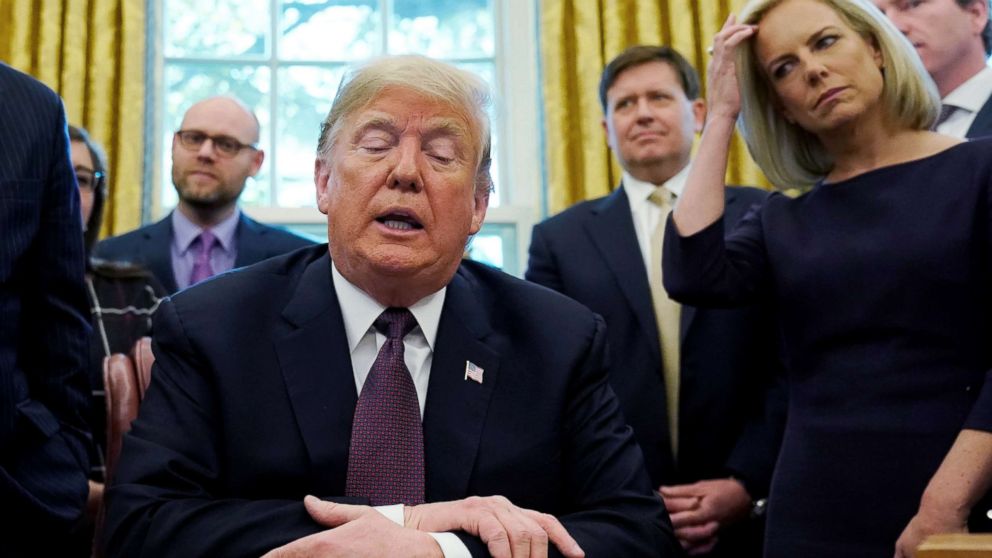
(968, 98)
(646, 214)
(359, 311)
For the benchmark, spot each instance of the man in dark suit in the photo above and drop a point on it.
(44, 330)
(469, 407)
(213, 154)
(954, 40)
(697, 395)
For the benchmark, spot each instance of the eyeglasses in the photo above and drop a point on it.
(88, 179)
(224, 145)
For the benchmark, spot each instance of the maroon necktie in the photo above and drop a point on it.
(202, 245)
(386, 459)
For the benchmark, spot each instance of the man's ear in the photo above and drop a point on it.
(322, 181)
(481, 205)
(699, 114)
(978, 10)
(256, 162)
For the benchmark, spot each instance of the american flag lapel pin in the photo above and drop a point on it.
(473, 371)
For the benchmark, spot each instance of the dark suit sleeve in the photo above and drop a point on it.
(617, 511)
(706, 270)
(611, 508)
(165, 499)
(752, 460)
(541, 265)
(44, 330)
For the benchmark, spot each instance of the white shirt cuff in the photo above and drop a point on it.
(451, 545)
(392, 512)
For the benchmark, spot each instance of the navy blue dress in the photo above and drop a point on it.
(883, 289)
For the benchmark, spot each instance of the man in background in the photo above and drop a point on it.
(44, 330)
(693, 383)
(954, 40)
(213, 154)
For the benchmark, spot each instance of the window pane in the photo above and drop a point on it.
(209, 28)
(487, 71)
(187, 83)
(496, 245)
(442, 28)
(305, 95)
(344, 30)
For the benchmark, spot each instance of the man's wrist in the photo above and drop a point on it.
(444, 545)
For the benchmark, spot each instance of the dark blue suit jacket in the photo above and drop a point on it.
(43, 321)
(729, 424)
(150, 246)
(253, 395)
(982, 125)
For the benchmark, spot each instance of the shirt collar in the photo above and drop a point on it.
(638, 190)
(972, 94)
(184, 231)
(359, 310)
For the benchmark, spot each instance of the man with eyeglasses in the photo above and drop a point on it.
(214, 152)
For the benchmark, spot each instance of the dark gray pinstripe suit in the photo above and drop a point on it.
(43, 325)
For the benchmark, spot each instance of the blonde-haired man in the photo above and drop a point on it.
(384, 375)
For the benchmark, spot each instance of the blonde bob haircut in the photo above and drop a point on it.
(438, 81)
(792, 157)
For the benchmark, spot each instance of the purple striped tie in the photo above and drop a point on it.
(386, 459)
(202, 245)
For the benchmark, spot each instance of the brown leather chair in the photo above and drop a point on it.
(125, 379)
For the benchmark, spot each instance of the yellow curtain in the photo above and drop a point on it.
(578, 38)
(92, 52)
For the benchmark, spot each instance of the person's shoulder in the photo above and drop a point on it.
(562, 225)
(964, 160)
(279, 235)
(117, 247)
(748, 194)
(518, 297)
(252, 285)
(576, 212)
(17, 83)
(982, 145)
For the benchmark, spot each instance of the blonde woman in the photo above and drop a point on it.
(881, 273)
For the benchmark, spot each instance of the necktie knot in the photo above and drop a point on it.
(945, 112)
(661, 197)
(204, 242)
(395, 323)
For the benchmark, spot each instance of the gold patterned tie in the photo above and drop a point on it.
(667, 313)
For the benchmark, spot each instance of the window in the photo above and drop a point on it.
(285, 59)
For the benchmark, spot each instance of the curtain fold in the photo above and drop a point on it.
(92, 52)
(578, 38)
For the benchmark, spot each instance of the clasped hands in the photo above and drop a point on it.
(507, 530)
(699, 510)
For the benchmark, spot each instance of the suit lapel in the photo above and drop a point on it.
(251, 244)
(982, 125)
(456, 407)
(316, 366)
(158, 254)
(611, 229)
